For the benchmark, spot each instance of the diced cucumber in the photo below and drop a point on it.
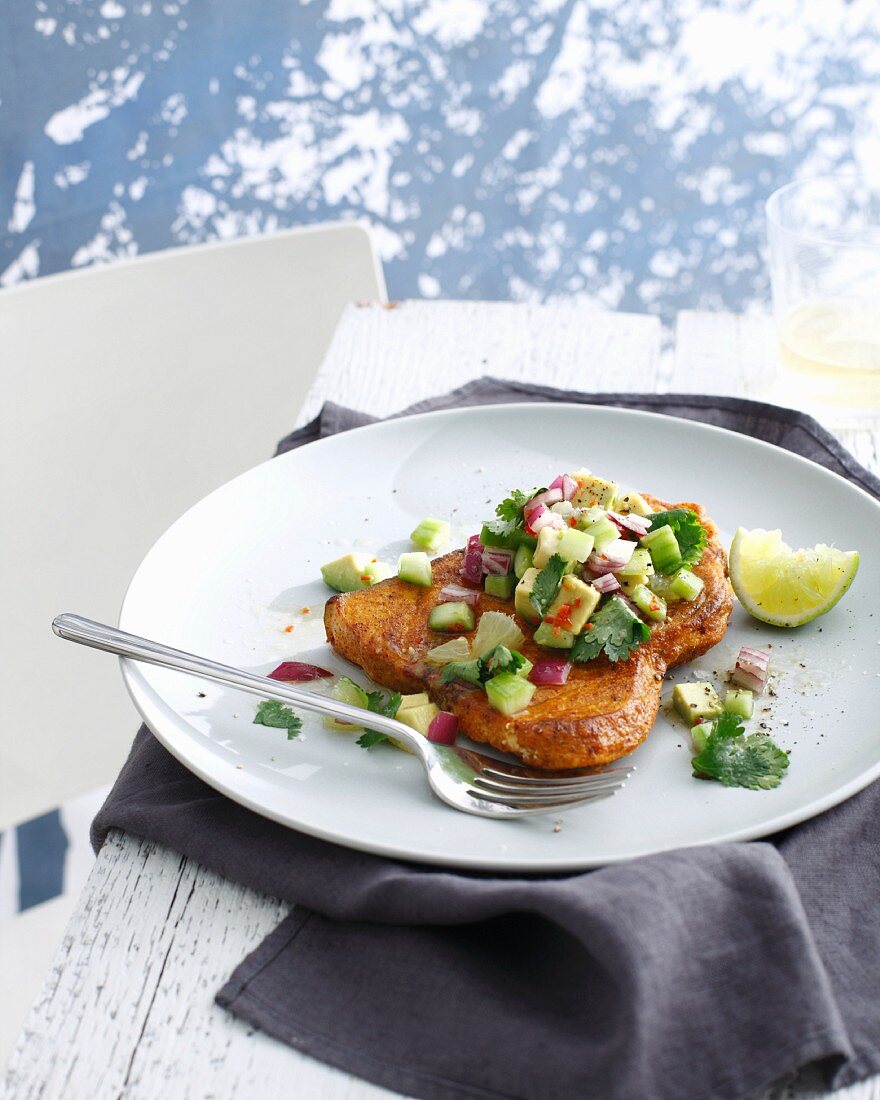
(595, 490)
(522, 560)
(663, 546)
(511, 541)
(525, 668)
(352, 572)
(662, 586)
(431, 534)
(501, 587)
(347, 691)
(418, 718)
(574, 545)
(633, 502)
(700, 735)
(523, 597)
(603, 532)
(456, 649)
(639, 564)
(652, 606)
(415, 568)
(509, 693)
(630, 584)
(739, 701)
(686, 585)
(452, 618)
(696, 701)
(554, 637)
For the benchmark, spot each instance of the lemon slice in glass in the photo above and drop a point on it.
(788, 587)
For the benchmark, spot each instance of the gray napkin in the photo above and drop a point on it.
(703, 973)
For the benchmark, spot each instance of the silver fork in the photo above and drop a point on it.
(464, 779)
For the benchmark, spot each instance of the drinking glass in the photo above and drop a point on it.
(824, 238)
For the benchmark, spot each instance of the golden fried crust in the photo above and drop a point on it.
(603, 712)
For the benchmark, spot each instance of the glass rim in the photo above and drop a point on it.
(815, 237)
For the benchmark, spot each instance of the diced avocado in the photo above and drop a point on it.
(580, 598)
(500, 587)
(652, 606)
(548, 541)
(686, 585)
(630, 584)
(522, 560)
(739, 701)
(415, 568)
(347, 691)
(633, 502)
(522, 599)
(663, 545)
(603, 532)
(452, 618)
(595, 490)
(431, 534)
(407, 702)
(418, 718)
(696, 701)
(352, 572)
(509, 693)
(575, 546)
(639, 564)
(554, 637)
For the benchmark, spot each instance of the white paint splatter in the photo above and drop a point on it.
(25, 266)
(69, 175)
(23, 208)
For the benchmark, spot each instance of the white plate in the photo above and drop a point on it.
(233, 572)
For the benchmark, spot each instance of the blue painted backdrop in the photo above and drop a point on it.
(618, 149)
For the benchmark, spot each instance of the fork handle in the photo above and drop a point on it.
(75, 628)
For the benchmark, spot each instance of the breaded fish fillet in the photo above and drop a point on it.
(603, 712)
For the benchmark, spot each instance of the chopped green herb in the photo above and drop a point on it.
(614, 630)
(471, 671)
(755, 762)
(547, 584)
(379, 703)
(478, 672)
(510, 509)
(272, 713)
(689, 532)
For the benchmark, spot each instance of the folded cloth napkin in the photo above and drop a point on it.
(708, 972)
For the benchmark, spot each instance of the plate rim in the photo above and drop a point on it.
(147, 701)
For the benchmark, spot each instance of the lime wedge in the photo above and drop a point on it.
(788, 587)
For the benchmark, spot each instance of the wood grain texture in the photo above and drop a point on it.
(723, 353)
(127, 1008)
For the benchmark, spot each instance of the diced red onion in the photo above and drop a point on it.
(554, 670)
(613, 557)
(443, 728)
(549, 496)
(569, 487)
(472, 567)
(636, 525)
(453, 593)
(607, 582)
(532, 511)
(296, 672)
(556, 483)
(751, 670)
(497, 562)
(546, 519)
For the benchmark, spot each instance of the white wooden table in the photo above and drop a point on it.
(127, 1008)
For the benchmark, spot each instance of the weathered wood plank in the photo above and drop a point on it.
(385, 358)
(723, 353)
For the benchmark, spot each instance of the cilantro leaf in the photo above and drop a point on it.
(755, 762)
(614, 630)
(471, 671)
(501, 659)
(272, 713)
(547, 584)
(689, 532)
(379, 703)
(510, 509)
